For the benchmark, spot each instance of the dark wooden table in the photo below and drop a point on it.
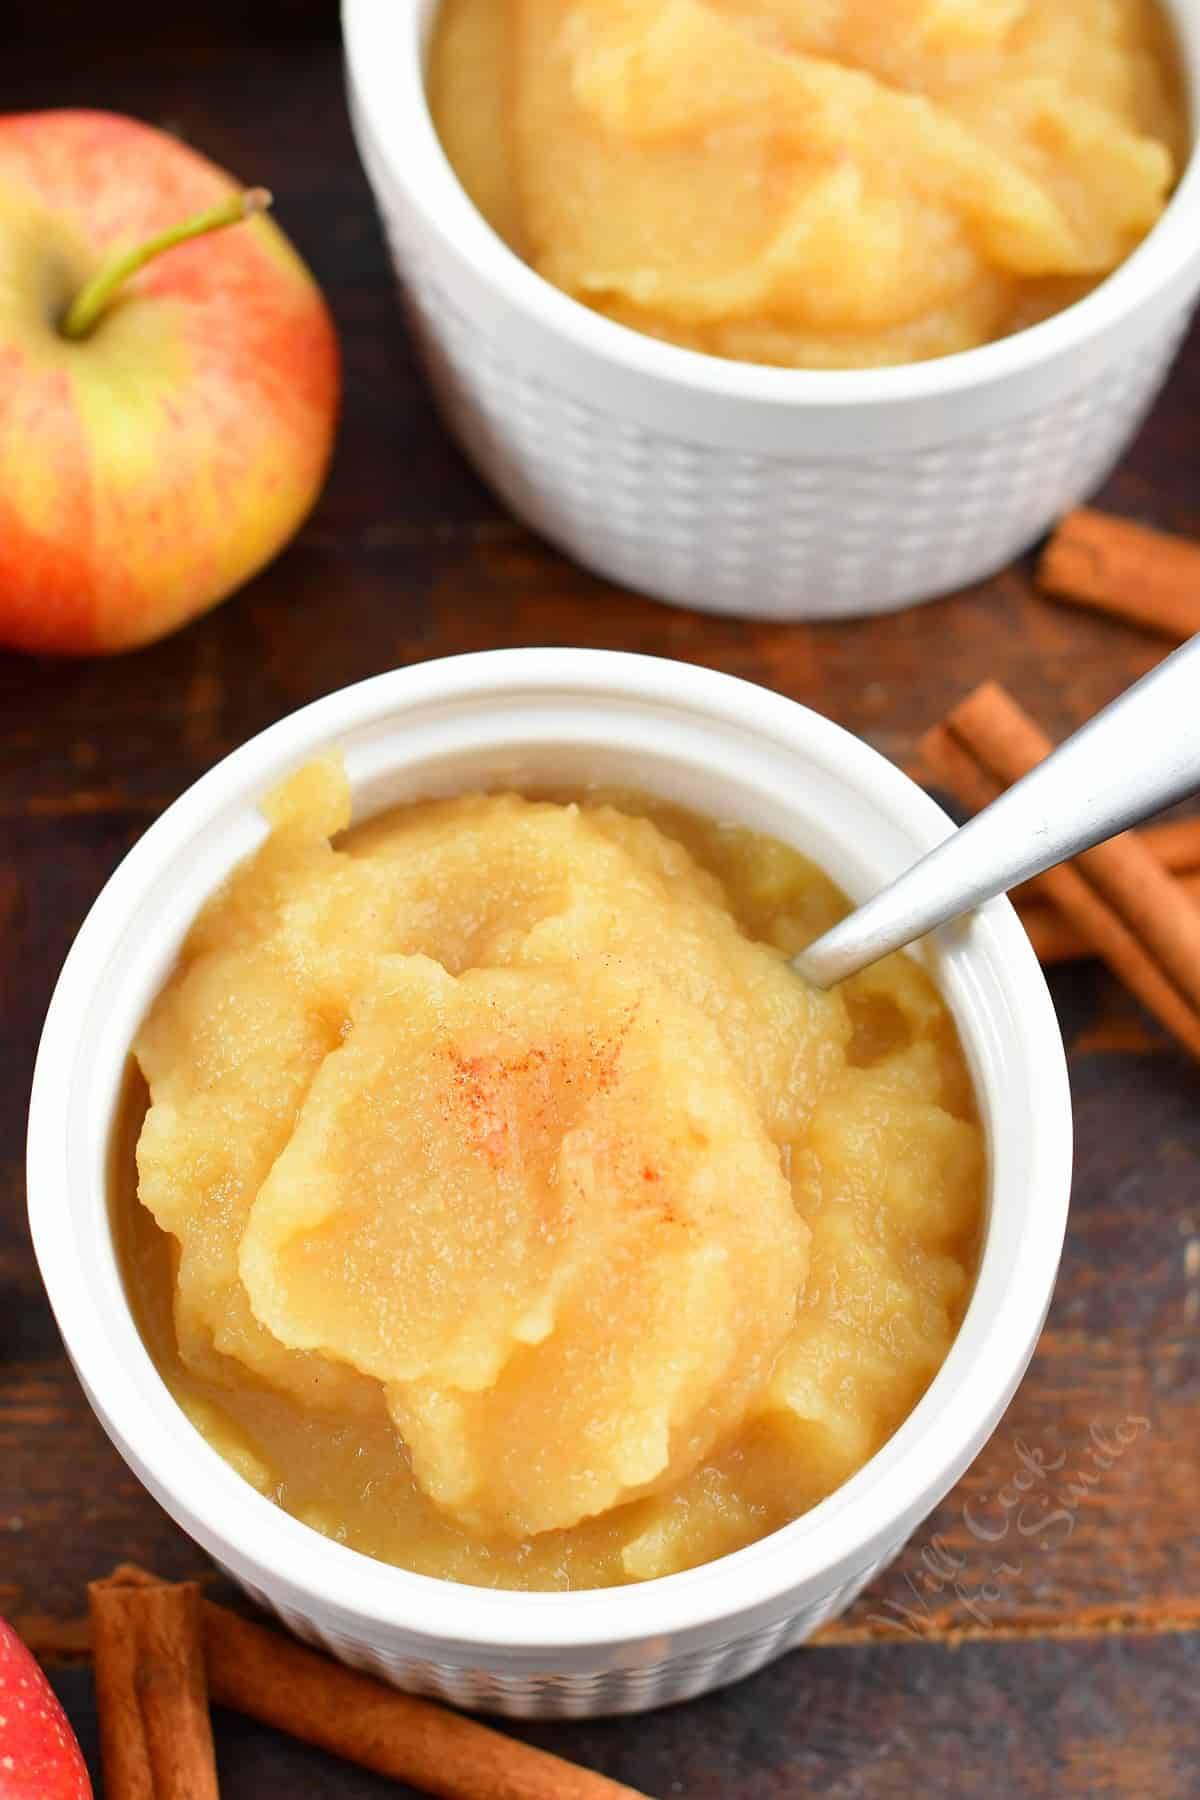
(987, 1661)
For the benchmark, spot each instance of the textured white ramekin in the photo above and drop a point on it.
(520, 718)
(772, 493)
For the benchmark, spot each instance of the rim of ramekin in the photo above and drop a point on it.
(283, 1556)
(384, 55)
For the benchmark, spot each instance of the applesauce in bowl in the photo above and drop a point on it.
(565, 723)
(852, 184)
(507, 1209)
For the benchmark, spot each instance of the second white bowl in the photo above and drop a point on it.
(774, 493)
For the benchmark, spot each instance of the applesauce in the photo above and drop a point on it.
(493, 1196)
(849, 183)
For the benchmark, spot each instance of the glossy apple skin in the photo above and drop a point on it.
(147, 470)
(39, 1756)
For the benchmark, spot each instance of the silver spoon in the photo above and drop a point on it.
(1140, 754)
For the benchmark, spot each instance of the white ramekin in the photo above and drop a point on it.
(520, 718)
(772, 493)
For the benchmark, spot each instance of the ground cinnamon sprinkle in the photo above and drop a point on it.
(1118, 897)
(1112, 565)
(480, 1089)
(495, 1093)
(274, 1679)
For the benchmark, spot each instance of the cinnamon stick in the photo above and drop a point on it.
(1175, 843)
(1056, 940)
(155, 1735)
(1123, 870)
(1140, 932)
(1148, 577)
(272, 1678)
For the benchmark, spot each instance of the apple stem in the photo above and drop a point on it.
(95, 294)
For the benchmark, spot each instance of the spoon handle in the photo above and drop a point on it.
(1140, 754)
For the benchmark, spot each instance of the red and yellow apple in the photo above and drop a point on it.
(40, 1758)
(153, 461)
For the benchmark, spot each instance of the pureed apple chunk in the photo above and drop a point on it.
(518, 1215)
(489, 1181)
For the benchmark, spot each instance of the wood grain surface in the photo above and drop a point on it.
(1042, 1642)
